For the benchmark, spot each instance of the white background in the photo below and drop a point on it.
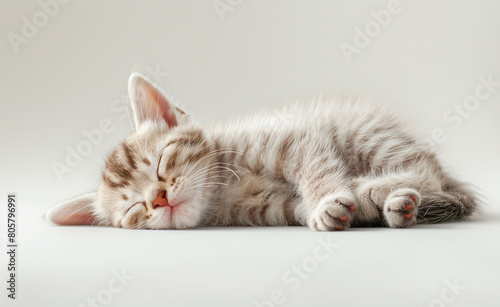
(72, 74)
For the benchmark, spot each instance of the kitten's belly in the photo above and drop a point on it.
(256, 200)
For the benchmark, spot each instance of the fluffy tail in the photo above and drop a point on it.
(454, 203)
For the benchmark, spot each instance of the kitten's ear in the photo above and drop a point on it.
(76, 211)
(149, 103)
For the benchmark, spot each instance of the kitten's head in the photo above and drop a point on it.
(156, 178)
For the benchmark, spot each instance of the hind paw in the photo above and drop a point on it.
(401, 207)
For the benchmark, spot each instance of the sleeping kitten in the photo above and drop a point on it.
(327, 164)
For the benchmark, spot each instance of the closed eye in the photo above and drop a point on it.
(141, 202)
(160, 178)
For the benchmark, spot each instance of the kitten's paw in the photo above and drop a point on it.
(374, 193)
(400, 208)
(334, 212)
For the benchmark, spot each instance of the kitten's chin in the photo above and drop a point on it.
(178, 217)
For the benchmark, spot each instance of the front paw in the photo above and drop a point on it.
(334, 212)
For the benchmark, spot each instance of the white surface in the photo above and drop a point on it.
(67, 78)
(237, 266)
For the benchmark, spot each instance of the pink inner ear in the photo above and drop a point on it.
(84, 218)
(167, 113)
(157, 103)
(75, 211)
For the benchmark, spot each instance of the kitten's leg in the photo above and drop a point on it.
(393, 198)
(324, 184)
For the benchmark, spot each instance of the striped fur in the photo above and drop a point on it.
(327, 163)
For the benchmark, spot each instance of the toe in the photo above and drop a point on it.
(410, 207)
(413, 198)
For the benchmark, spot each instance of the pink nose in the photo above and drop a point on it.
(161, 200)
